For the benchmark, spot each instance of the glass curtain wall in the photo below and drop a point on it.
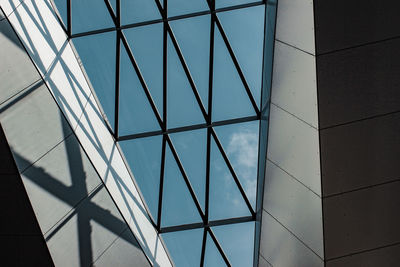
(184, 88)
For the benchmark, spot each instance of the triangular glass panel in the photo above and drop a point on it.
(90, 15)
(237, 241)
(178, 206)
(181, 7)
(135, 112)
(230, 99)
(114, 6)
(240, 143)
(144, 158)
(146, 44)
(193, 37)
(61, 6)
(97, 53)
(227, 3)
(184, 247)
(183, 109)
(191, 147)
(245, 31)
(212, 257)
(225, 198)
(138, 11)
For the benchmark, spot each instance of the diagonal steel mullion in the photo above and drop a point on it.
(163, 12)
(236, 63)
(235, 178)
(187, 72)
(141, 79)
(161, 186)
(185, 178)
(221, 251)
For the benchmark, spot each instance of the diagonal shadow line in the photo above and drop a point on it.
(63, 192)
(39, 64)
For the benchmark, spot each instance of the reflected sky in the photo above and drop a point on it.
(182, 143)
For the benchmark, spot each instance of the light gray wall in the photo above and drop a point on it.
(77, 216)
(291, 233)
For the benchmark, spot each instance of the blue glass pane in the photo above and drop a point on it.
(134, 11)
(181, 7)
(135, 114)
(90, 15)
(240, 143)
(146, 44)
(182, 106)
(237, 241)
(226, 3)
(114, 6)
(193, 37)
(245, 31)
(192, 148)
(230, 99)
(184, 247)
(212, 257)
(144, 158)
(225, 198)
(97, 53)
(178, 206)
(62, 9)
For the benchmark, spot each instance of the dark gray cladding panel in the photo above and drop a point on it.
(362, 220)
(360, 154)
(387, 256)
(347, 23)
(21, 240)
(25, 250)
(359, 83)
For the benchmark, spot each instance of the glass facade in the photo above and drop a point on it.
(184, 88)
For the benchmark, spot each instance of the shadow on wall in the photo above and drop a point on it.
(79, 186)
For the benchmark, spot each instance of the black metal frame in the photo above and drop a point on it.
(122, 43)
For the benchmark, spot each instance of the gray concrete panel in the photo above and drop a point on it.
(362, 220)
(359, 83)
(295, 24)
(294, 83)
(1, 15)
(384, 257)
(125, 251)
(282, 249)
(293, 145)
(33, 125)
(360, 154)
(16, 69)
(347, 23)
(58, 181)
(263, 263)
(295, 206)
(86, 232)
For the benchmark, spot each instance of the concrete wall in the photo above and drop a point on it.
(76, 215)
(333, 137)
(37, 26)
(292, 218)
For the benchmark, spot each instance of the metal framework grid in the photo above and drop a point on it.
(262, 115)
